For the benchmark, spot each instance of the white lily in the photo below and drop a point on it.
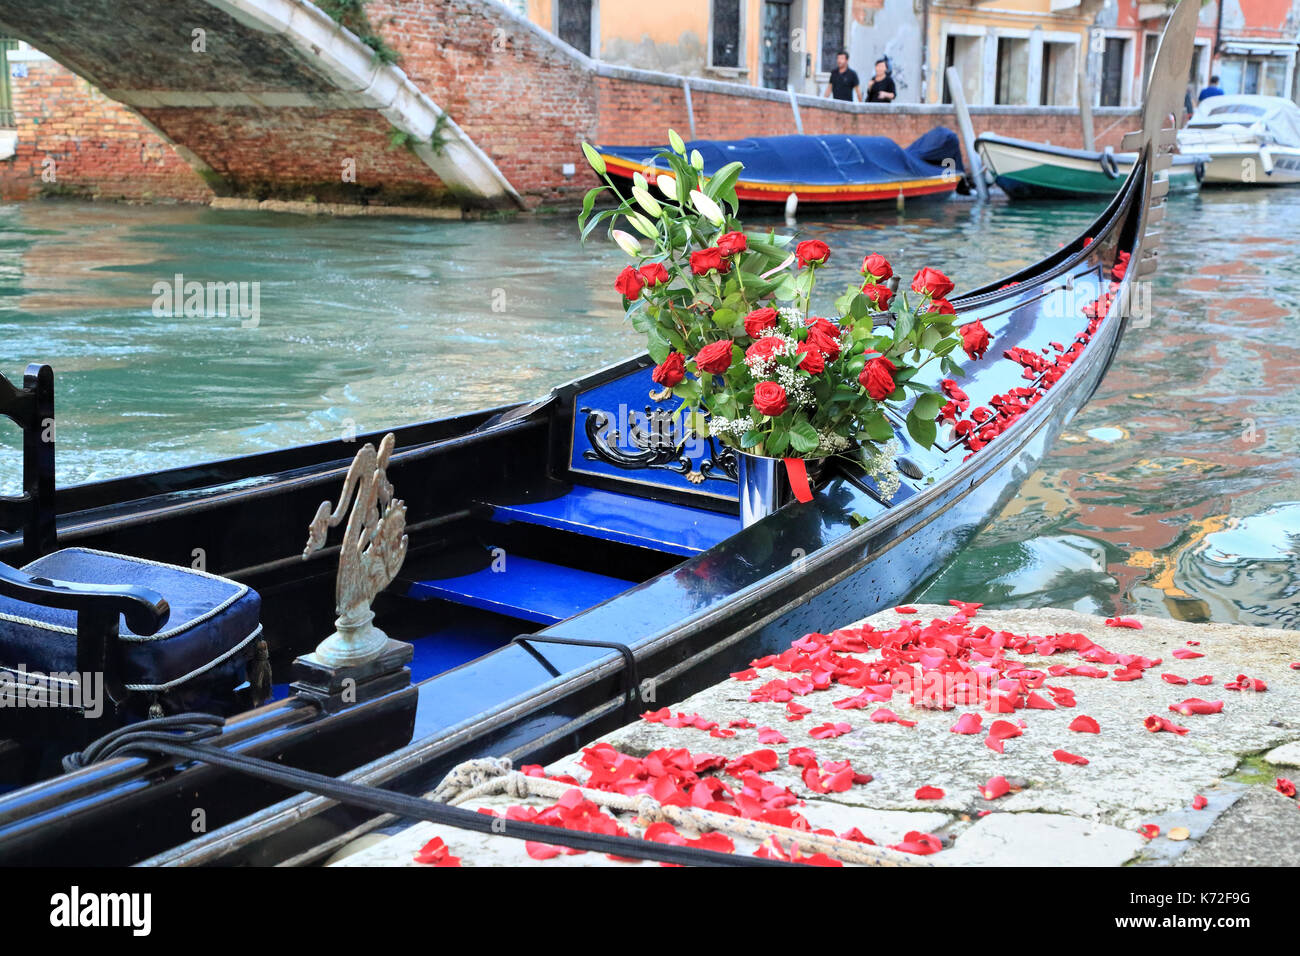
(667, 185)
(646, 201)
(707, 208)
(628, 243)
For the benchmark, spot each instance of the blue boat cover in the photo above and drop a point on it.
(825, 160)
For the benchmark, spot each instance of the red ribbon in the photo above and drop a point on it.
(797, 471)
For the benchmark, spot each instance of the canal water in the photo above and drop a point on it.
(1175, 492)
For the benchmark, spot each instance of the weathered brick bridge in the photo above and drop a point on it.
(274, 100)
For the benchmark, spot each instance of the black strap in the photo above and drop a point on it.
(631, 678)
(157, 737)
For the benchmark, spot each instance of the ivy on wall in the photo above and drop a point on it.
(352, 15)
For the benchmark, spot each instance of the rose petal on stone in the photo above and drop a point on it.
(1085, 725)
(968, 724)
(1124, 622)
(1194, 705)
(1149, 830)
(1155, 724)
(1064, 756)
(905, 609)
(1284, 787)
(1183, 654)
(1203, 680)
(829, 731)
(929, 793)
(1173, 679)
(766, 735)
(996, 787)
(1199, 802)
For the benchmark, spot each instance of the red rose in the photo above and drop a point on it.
(813, 362)
(769, 398)
(714, 358)
(732, 243)
(942, 306)
(708, 260)
(825, 337)
(974, 339)
(933, 282)
(653, 273)
(877, 378)
(671, 371)
(760, 320)
(629, 283)
(877, 268)
(880, 295)
(812, 252)
(764, 349)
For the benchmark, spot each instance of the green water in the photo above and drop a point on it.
(1173, 493)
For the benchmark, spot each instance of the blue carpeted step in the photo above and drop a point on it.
(659, 525)
(524, 588)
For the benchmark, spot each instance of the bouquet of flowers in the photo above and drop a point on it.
(727, 318)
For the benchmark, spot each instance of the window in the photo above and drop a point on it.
(724, 48)
(573, 23)
(1152, 43)
(1059, 80)
(832, 32)
(1265, 75)
(775, 44)
(964, 53)
(1112, 71)
(1013, 71)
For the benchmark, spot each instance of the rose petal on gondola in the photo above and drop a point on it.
(929, 793)
(1085, 725)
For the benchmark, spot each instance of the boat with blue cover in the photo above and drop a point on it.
(541, 572)
(828, 168)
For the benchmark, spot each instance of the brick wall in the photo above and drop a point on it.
(97, 148)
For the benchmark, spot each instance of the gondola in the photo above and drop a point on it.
(1024, 169)
(819, 169)
(561, 571)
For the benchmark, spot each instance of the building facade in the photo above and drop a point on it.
(1008, 52)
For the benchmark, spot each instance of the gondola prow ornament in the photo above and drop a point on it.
(371, 554)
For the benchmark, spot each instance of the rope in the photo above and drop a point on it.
(517, 785)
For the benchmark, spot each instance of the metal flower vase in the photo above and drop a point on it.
(765, 484)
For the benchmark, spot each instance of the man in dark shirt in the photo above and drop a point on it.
(881, 89)
(1212, 90)
(843, 83)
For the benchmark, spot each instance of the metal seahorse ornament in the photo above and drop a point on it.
(370, 555)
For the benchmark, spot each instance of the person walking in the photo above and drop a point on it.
(881, 89)
(843, 84)
(1212, 90)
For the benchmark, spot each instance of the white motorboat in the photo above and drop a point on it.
(1249, 140)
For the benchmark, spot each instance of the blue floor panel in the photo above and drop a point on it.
(660, 525)
(525, 589)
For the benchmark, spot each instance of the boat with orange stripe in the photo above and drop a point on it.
(816, 169)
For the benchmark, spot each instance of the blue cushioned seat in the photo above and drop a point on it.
(214, 621)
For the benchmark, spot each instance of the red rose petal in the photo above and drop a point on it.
(1064, 756)
(1183, 654)
(1199, 802)
(1149, 830)
(1285, 787)
(1194, 705)
(1173, 679)
(829, 731)
(1203, 680)
(905, 609)
(929, 793)
(996, 787)
(1124, 622)
(1155, 724)
(1085, 725)
(766, 735)
(968, 724)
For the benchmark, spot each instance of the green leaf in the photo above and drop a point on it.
(657, 346)
(767, 249)
(777, 442)
(588, 201)
(724, 318)
(751, 438)
(803, 437)
(594, 159)
(878, 427)
(724, 179)
(927, 405)
(923, 430)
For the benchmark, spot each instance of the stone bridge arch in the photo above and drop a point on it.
(268, 99)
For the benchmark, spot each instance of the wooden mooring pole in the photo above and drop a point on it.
(967, 132)
(1085, 112)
